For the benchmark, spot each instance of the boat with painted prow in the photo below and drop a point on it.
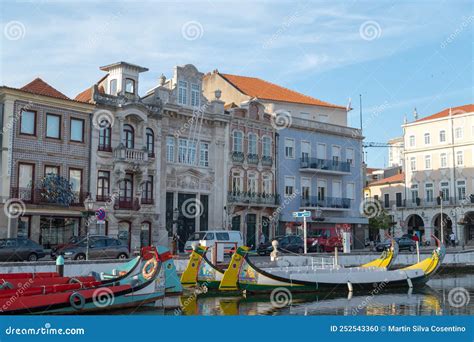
(242, 274)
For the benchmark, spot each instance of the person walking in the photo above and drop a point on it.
(452, 238)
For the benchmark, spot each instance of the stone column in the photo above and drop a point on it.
(121, 124)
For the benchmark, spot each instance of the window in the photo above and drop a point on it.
(321, 151)
(192, 146)
(266, 146)
(289, 185)
(145, 234)
(442, 136)
(51, 170)
(75, 178)
(458, 133)
(238, 141)
(252, 187)
(289, 148)
(305, 150)
(26, 173)
(77, 130)
(444, 190)
(428, 162)
(28, 122)
(113, 87)
(170, 149)
(443, 160)
(105, 136)
(323, 118)
(23, 230)
(461, 189)
(129, 86)
(222, 236)
(413, 164)
(267, 184)
(126, 188)
(414, 192)
(350, 156)
(128, 136)
(53, 126)
(236, 182)
(252, 146)
(412, 141)
(147, 191)
(183, 92)
(305, 188)
(150, 142)
(429, 192)
(204, 154)
(459, 158)
(398, 199)
(182, 151)
(321, 190)
(336, 154)
(195, 95)
(103, 185)
(350, 191)
(386, 200)
(427, 139)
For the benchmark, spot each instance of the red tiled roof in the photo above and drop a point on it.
(86, 95)
(371, 170)
(256, 87)
(398, 178)
(40, 87)
(469, 108)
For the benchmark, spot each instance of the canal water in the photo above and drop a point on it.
(445, 294)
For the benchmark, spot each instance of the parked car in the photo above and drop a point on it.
(229, 238)
(287, 243)
(100, 247)
(324, 240)
(73, 240)
(20, 249)
(404, 243)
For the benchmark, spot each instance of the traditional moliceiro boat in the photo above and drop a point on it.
(144, 282)
(201, 272)
(242, 274)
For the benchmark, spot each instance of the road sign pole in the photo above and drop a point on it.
(304, 236)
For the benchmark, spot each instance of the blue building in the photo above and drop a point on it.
(320, 169)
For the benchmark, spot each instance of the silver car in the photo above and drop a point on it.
(99, 248)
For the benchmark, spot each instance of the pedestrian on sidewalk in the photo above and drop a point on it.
(452, 238)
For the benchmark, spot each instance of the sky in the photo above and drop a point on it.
(399, 55)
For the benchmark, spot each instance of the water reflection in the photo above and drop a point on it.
(433, 299)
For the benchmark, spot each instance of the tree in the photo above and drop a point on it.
(381, 221)
(56, 189)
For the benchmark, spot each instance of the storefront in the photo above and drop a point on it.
(56, 230)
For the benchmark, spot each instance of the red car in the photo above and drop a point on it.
(324, 240)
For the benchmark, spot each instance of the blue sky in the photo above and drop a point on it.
(397, 54)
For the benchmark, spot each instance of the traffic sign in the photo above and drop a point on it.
(100, 214)
(301, 213)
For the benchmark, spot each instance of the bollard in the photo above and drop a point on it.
(60, 265)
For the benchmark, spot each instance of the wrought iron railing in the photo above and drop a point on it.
(238, 156)
(324, 164)
(326, 202)
(253, 198)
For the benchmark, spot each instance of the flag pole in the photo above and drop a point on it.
(360, 111)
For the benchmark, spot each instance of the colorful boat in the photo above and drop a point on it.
(201, 272)
(242, 274)
(139, 287)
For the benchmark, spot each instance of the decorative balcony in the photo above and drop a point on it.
(147, 201)
(328, 203)
(267, 161)
(127, 204)
(252, 158)
(102, 198)
(324, 166)
(253, 198)
(42, 197)
(122, 153)
(104, 148)
(238, 157)
(434, 202)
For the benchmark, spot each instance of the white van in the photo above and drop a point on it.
(230, 238)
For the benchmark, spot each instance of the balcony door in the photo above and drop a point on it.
(126, 190)
(25, 181)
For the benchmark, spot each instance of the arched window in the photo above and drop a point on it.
(126, 191)
(128, 136)
(238, 141)
(145, 234)
(150, 142)
(147, 191)
(105, 133)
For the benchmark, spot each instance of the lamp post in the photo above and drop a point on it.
(175, 228)
(88, 206)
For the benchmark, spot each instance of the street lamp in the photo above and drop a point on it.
(88, 206)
